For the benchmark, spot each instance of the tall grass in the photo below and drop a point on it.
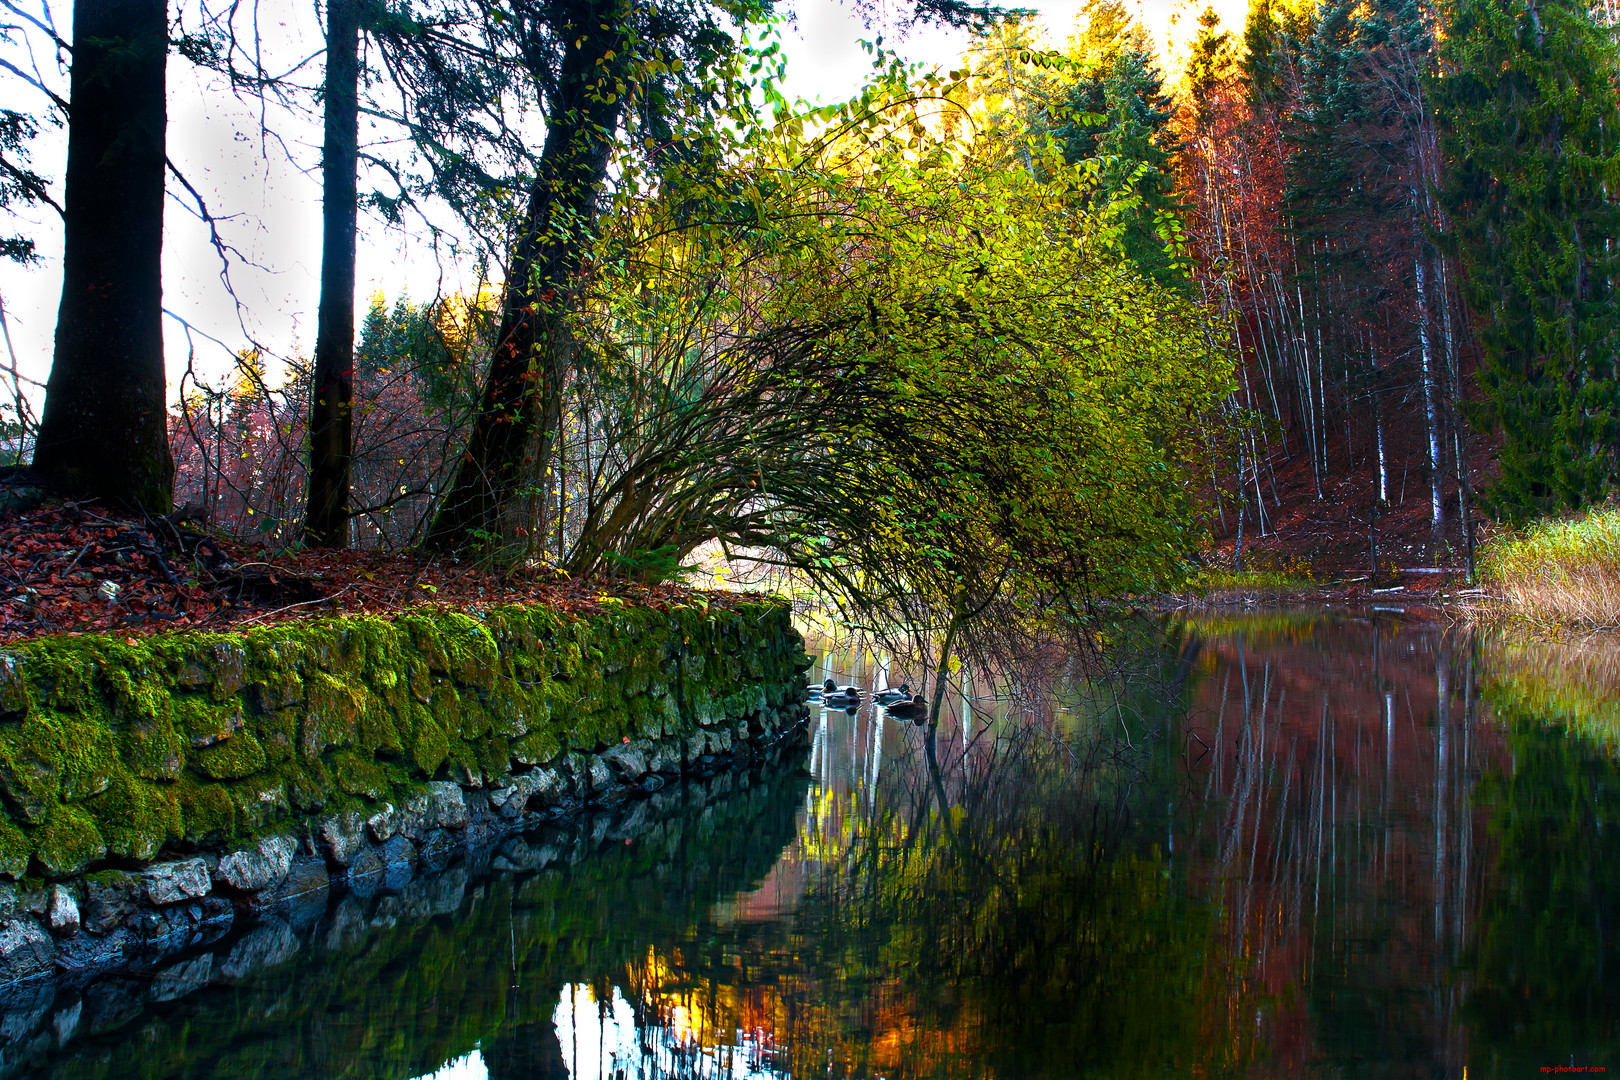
(1559, 574)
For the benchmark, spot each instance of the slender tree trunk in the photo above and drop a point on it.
(331, 407)
(522, 399)
(1430, 412)
(105, 430)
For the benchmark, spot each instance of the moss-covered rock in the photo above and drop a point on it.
(110, 747)
(239, 756)
(67, 842)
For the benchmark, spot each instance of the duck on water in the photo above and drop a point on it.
(915, 710)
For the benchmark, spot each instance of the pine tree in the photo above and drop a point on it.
(1117, 110)
(1529, 119)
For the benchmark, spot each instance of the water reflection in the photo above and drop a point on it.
(1279, 847)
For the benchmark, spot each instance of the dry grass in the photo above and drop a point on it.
(1559, 574)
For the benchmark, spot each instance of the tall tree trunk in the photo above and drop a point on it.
(331, 406)
(1430, 412)
(105, 430)
(522, 400)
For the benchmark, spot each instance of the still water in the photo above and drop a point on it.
(1275, 847)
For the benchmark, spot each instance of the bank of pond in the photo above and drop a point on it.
(1291, 844)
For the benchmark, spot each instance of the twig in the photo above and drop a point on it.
(289, 607)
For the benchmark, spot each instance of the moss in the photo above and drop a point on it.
(152, 749)
(135, 817)
(474, 659)
(333, 714)
(536, 748)
(476, 718)
(357, 776)
(201, 738)
(309, 787)
(67, 842)
(378, 733)
(494, 755)
(207, 809)
(259, 801)
(464, 764)
(15, 848)
(29, 777)
(240, 755)
(204, 722)
(430, 741)
(277, 733)
(14, 699)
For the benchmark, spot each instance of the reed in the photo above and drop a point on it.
(1559, 574)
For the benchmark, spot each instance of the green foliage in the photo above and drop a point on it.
(438, 344)
(969, 386)
(1531, 129)
(1116, 113)
(1555, 548)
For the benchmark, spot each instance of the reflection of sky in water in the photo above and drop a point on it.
(602, 1041)
(471, 1067)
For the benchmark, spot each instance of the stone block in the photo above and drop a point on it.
(108, 897)
(341, 836)
(26, 951)
(259, 866)
(447, 805)
(64, 912)
(171, 883)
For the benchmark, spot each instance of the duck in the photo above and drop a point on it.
(842, 696)
(814, 691)
(915, 710)
(892, 695)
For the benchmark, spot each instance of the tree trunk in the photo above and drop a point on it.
(522, 400)
(105, 430)
(331, 422)
(1430, 413)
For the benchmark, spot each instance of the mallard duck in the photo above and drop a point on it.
(814, 691)
(842, 696)
(915, 710)
(892, 695)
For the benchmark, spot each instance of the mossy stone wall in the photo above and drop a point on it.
(115, 749)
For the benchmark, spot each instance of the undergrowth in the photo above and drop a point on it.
(1215, 580)
(1559, 573)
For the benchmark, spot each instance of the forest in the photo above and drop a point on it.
(1059, 324)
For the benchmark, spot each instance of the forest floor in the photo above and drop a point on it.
(1320, 549)
(77, 566)
(71, 566)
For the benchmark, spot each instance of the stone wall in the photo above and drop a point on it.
(399, 978)
(154, 788)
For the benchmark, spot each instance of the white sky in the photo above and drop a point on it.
(272, 209)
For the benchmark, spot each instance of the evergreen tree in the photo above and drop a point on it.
(1529, 119)
(1117, 111)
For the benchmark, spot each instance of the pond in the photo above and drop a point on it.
(1294, 845)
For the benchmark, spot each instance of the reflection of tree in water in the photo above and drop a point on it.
(1037, 929)
(454, 967)
(1545, 967)
(1276, 849)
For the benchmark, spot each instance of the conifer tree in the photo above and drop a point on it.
(1530, 122)
(1117, 110)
